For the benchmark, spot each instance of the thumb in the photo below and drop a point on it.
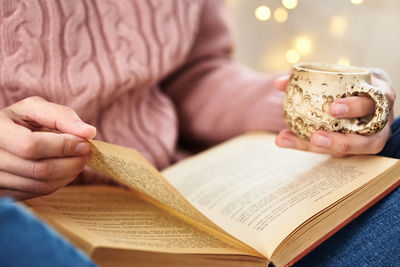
(281, 82)
(53, 116)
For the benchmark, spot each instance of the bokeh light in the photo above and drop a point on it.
(280, 15)
(356, 2)
(303, 45)
(292, 56)
(262, 13)
(344, 62)
(289, 4)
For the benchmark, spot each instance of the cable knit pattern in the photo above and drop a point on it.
(131, 68)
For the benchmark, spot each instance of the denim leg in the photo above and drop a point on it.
(26, 241)
(392, 147)
(373, 239)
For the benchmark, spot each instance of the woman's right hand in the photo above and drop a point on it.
(34, 161)
(339, 144)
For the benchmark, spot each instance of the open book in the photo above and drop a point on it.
(245, 202)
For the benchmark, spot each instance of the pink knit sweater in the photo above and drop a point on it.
(144, 72)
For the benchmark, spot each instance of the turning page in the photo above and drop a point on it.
(132, 169)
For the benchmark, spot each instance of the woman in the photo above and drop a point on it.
(145, 74)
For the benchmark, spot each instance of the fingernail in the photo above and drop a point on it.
(285, 143)
(82, 148)
(339, 109)
(322, 141)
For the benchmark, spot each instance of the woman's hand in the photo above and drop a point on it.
(338, 144)
(43, 147)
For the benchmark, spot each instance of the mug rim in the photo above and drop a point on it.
(340, 69)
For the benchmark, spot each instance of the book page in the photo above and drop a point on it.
(260, 193)
(130, 168)
(116, 218)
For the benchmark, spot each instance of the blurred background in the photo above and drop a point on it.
(271, 35)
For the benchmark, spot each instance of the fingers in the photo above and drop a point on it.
(386, 88)
(24, 179)
(15, 194)
(352, 107)
(282, 82)
(38, 145)
(52, 116)
(349, 144)
(356, 107)
(31, 186)
(35, 162)
(287, 139)
(46, 170)
(335, 144)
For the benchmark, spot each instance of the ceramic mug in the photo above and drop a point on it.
(313, 86)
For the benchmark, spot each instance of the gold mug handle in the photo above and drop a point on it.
(382, 109)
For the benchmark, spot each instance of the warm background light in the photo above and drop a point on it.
(344, 62)
(292, 56)
(338, 25)
(263, 13)
(356, 2)
(340, 32)
(280, 15)
(303, 45)
(289, 4)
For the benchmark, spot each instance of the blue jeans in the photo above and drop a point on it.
(373, 239)
(26, 241)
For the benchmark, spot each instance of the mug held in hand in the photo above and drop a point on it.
(312, 87)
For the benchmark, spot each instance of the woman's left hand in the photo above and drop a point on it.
(338, 144)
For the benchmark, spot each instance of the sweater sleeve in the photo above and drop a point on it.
(215, 97)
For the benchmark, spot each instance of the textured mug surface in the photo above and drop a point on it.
(313, 86)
